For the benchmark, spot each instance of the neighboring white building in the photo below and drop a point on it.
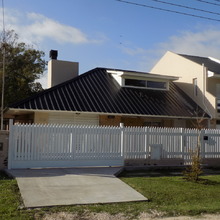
(199, 78)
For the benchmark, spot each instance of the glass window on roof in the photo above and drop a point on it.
(156, 85)
(135, 82)
(146, 84)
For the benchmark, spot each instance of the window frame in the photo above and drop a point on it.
(195, 86)
(165, 88)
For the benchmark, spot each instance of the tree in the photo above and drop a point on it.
(23, 65)
(193, 172)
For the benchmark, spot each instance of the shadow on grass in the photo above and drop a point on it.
(4, 176)
(207, 182)
(148, 173)
(202, 180)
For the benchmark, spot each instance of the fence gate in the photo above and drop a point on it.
(33, 146)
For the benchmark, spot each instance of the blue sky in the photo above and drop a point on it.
(109, 33)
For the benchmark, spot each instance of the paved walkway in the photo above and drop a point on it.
(68, 186)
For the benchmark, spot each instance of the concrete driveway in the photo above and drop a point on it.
(68, 186)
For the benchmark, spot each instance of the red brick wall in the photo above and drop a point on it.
(105, 120)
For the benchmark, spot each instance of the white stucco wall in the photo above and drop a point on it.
(66, 118)
(60, 71)
(176, 65)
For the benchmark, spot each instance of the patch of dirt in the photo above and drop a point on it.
(85, 216)
(106, 216)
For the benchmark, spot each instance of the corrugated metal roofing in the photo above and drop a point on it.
(210, 64)
(97, 91)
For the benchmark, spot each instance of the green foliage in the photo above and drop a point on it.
(23, 65)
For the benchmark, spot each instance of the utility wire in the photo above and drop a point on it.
(3, 65)
(184, 6)
(217, 0)
(168, 10)
(211, 3)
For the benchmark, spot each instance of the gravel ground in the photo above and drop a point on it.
(106, 216)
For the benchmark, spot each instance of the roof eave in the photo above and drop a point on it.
(213, 75)
(141, 74)
(22, 111)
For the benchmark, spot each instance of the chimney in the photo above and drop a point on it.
(53, 54)
(60, 71)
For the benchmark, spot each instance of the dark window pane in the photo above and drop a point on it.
(157, 85)
(135, 82)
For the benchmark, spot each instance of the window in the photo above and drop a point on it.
(218, 97)
(135, 82)
(146, 84)
(195, 87)
(218, 105)
(156, 85)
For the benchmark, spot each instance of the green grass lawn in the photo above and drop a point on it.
(171, 195)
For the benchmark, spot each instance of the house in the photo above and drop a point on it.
(106, 96)
(198, 77)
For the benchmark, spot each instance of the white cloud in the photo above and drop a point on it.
(43, 27)
(33, 27)
(43, 81)
(133, 51)
(205, 42)
(200, 42)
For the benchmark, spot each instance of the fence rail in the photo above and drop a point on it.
(44, 143)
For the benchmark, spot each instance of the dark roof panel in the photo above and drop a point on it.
(209, 63)
(97, 91)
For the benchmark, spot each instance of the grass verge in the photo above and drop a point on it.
(170, 195)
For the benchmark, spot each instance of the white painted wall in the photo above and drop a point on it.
(176, 65)
(60, 71)
(73, 118)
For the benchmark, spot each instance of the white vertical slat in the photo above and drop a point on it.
(106, 138)
(17, 143)
(72, 142)
(12, 144)
(122, 139)
(23, 143)
(31, 142)
(36, 142)
(29, 150)
(76, 141)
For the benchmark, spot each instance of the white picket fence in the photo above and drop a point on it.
(35, 145)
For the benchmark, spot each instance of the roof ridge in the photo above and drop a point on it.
(185, 55)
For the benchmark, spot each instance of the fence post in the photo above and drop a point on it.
(122, 139)
(10, 144)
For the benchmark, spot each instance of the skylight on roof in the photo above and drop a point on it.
(148, 84)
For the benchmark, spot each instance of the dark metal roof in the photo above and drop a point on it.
(210, 64)
(97, 91)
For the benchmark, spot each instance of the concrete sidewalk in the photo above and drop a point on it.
(68, 186)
